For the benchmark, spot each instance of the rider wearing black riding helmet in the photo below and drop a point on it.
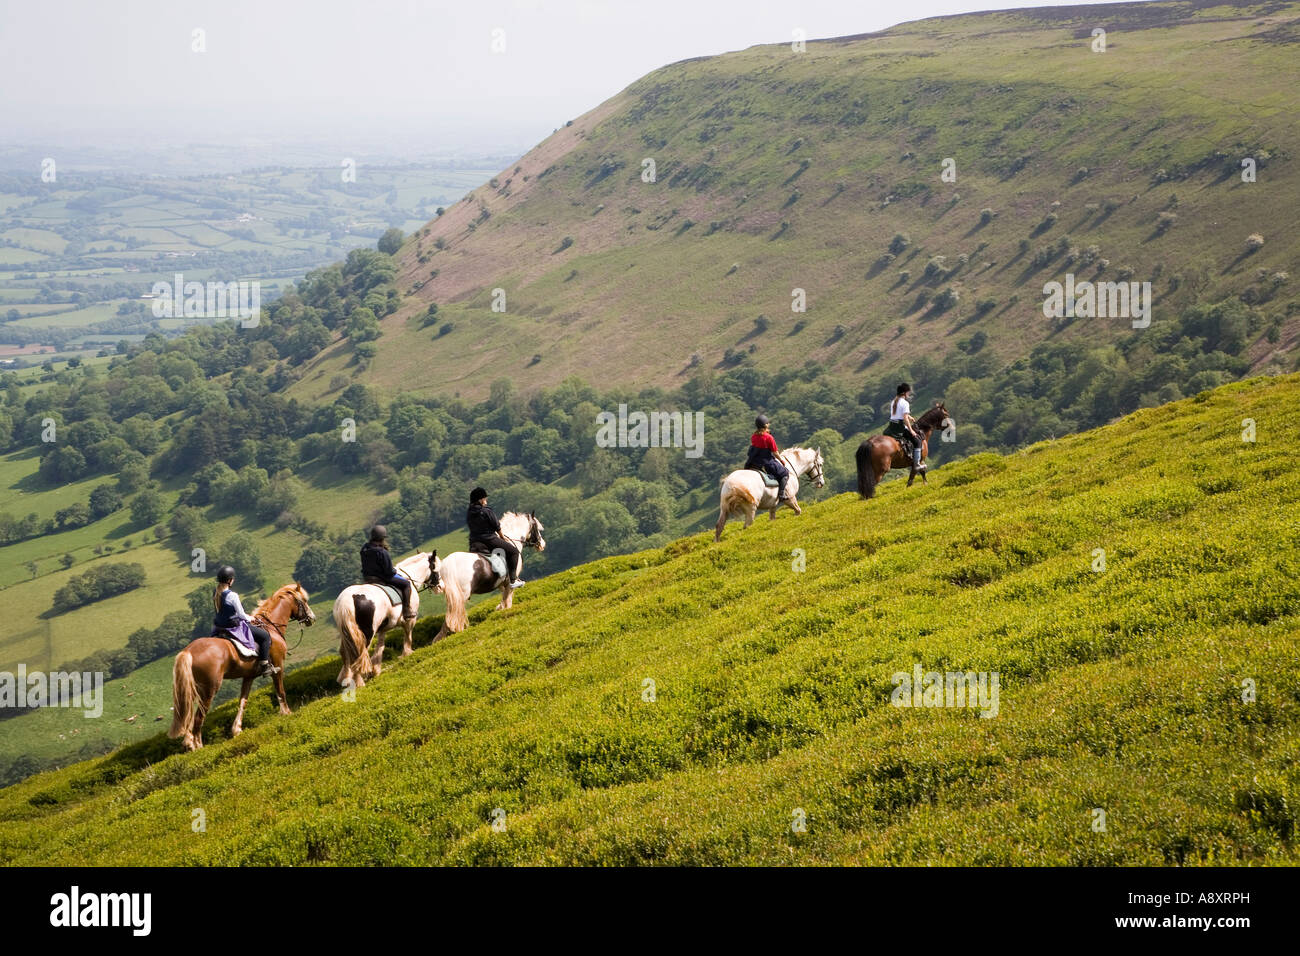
(377, 568)
(485, 534)
(902, 426)
(230, 612)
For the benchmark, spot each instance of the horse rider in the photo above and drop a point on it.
(902, 426)
(765, 456)
(485, 534)
(230, 616)
(377, 568)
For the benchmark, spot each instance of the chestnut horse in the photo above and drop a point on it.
(201, 667)
(879, 453)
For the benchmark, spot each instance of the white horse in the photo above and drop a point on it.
(364, 611)
(744, 494)
(467, 572)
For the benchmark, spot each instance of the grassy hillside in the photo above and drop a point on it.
(1120, 690)
(778, 170)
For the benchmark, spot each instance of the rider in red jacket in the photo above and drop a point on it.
(765, 456)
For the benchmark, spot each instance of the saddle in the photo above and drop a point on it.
(905, 440)
(240, 636)
(768, 480)
(394, 595)
(497, 561)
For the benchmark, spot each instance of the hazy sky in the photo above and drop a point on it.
(421, 70)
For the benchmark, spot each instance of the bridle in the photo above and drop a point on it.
(815, 474)
(534, 539)
(301, 614)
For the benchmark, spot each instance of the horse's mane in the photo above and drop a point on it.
(523, 516)
(932, 417)
(257, 611)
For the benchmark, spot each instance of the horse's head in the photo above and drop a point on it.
(535, 529)
(435, 573)
(936, 417)
(816, 470)
(302, 611)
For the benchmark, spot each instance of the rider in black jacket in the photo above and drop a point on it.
(485, 533)
(377, 567)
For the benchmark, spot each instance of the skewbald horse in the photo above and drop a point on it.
(201, 667)
(465, 573)
(879, 453)
(363, 611)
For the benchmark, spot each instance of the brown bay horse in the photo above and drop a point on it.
(207, 661)
(879, 453)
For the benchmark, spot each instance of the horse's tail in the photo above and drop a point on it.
(455, 593)
(866, 471)
(185, 698)
(353, 644)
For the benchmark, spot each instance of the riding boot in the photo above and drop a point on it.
(266, 668)
(781, 493)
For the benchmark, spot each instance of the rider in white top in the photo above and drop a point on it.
(902, 425)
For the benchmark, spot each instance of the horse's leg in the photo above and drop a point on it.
(408, 631)
(377, 658)
(277, 658)
(722, 523)
(507, 597)
(238, 726)
(206, 695)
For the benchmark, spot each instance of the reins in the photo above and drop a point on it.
(281, 629)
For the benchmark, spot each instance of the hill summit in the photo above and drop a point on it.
(869, 199)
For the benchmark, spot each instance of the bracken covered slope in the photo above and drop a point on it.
(777, 170)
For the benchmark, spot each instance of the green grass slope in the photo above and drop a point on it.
(778, 170)
(1120, 690)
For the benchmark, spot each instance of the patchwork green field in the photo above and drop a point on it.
(1134, 590)
(81, 252)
